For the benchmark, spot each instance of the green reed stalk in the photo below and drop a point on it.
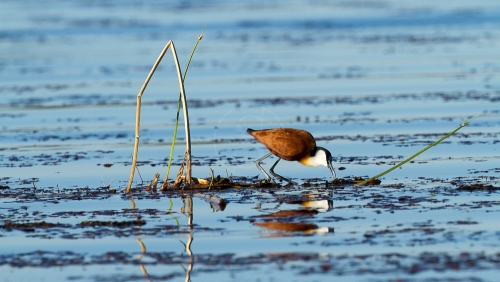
(200, 36)
(464, 124)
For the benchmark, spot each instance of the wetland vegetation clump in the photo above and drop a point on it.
(477, 186)
(31, 226)
(97, 223)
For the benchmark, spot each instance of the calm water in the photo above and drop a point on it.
(373, 81)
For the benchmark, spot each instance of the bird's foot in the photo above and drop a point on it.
(290, 182)
(267, 182)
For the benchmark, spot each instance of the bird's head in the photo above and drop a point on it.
(321, 156)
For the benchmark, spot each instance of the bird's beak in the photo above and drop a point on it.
(331, 169)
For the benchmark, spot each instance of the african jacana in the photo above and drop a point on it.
(292, 145)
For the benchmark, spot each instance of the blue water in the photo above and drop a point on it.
(371, 80)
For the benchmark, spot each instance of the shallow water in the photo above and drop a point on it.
(373, 81)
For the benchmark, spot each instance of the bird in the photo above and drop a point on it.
(291, 144)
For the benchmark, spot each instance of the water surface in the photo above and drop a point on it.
(373, 81)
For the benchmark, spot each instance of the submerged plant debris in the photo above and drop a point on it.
(317, 218)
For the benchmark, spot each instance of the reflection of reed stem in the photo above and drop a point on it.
(189, 269)
(190, 212)
(143, 251)
(189, 242)
(144, 271)
(143, 247)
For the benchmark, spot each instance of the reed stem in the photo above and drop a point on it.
(464, 124)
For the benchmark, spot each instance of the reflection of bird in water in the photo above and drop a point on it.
(292, 145)
(285, 221)
(319, 206)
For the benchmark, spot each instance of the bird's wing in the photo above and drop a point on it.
(287, 143)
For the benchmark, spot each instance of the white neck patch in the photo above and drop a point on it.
(317, 160)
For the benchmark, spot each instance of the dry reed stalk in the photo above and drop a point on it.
(153, 184)
(165, 185)
(179, 178)
(185, 111)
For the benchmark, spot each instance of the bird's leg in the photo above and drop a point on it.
(279, 176)
(257, 162)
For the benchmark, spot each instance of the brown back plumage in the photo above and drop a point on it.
(287, 143)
